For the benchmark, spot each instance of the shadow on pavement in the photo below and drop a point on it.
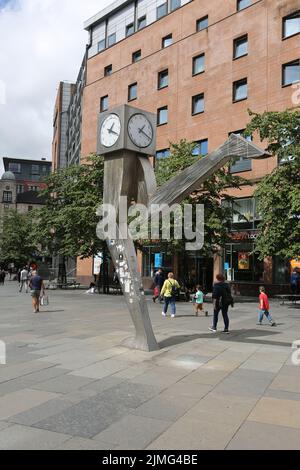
(240, 336)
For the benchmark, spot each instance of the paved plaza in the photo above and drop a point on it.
(70, 384)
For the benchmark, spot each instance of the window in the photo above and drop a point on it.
(167, 41)
(142, 22)
(132, 92)
(241, 4)
(240, 47)
(163, 153)
(291, 25)
(198, 64)
(111, 39)
(162, 10)
(240, 90)
(162, 116)
(136, 56)
(175, 4)
(163, 79)
(244, 211)
(20, 188)
(33, 188)
(202, 23)
(129, 29)
(104, 103)
(7, 196)
(198, 104)
(107, 70)
(241, 164)
(101, 45)
(201, 148)
(15, 167)
(291, 73)
(35, 170)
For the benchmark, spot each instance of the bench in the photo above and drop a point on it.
(288, 298)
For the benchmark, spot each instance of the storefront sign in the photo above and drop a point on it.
(244, 261)
(158, 260)
(242, 236)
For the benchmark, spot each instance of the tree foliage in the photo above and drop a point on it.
(212, 194)
(279, 192)
(66, 225)
(16, 238)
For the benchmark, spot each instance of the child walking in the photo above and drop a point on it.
(264, 307)
(199, 299)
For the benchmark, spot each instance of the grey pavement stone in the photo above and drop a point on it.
(77, 443)
(245, 382)
(40, 412)
(17, 402)
(133, 432)
(90, 417)
(102, 368)
(4, 425)
(259, 436)
(26, 438)
(162, 407)
(277, 411)
(282, 394)
(103, 384)
(62, 384)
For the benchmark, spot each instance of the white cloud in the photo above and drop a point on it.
(42, 43)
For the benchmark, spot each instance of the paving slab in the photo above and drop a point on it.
(17, 402)
(245, 382)
(18, 437)
(77, 443)
(278, 412)
(62, 384)
(163, 407)
(40, 412)
(260, 436)
(133, 432)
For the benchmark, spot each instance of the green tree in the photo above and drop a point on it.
(279, 192)
(212, 194)
(66, 225)
(16, 240)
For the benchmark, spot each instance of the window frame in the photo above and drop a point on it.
(134, 60)
(293, 62)
(290, 16)
(163, 108)
(198, 21)
(140, 20)
(108, 39)
(108, 70)
(169, 36)
(7, 197)
(131, 87)
(165, 5)
(193, 103)
(244, 8)
(102, 110)
(166, 71)
(199, 143)
(234, 86)
(235, 41)
(129, 25)
(194, 74)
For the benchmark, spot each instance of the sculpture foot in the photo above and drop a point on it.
(140, 344)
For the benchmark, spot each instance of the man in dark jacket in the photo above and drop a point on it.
(158, 283)
(222, 298)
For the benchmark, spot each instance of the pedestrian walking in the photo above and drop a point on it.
(158, 284)
(222, 299)
(2, 277)
(264, 307)
(199, 301)
(170, 291)
(294, 282)
(24, 279)
(36, 285)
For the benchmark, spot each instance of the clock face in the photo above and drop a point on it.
(110, 130)
(140, 130)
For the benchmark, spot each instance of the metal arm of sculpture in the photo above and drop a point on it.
(133, 176)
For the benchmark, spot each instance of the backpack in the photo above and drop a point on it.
(226, 298)
(174, 289)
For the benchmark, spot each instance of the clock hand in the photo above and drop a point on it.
(141, 131)
(110, 131)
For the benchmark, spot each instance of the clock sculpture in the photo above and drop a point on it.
(126, 138)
